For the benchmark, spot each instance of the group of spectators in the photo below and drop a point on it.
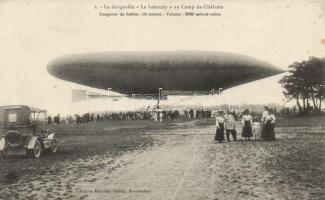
(154, 114)
(257, 127)
(56, 119)
(197, 113)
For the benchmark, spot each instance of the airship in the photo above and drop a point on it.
(175, 72)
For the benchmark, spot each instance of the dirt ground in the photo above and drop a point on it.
(172, 160)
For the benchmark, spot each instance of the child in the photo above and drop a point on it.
(256, 128)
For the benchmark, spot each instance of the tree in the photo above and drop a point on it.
(306, 83)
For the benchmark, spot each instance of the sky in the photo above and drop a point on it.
(34, 32)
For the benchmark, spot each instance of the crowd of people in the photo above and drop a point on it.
(154, 114)
(226, 123)
(252, 126)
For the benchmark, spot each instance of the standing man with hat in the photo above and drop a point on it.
(230, 126)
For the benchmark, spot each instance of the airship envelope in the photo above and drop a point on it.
(180, 72)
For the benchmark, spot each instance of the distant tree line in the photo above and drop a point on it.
(305, 83)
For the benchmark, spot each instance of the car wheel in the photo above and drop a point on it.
(37, 150)
(54, 147)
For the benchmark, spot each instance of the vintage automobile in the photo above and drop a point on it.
(23, 131)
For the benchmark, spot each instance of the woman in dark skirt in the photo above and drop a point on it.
(264, 115)
(220, 123)
(269, 125)
(247, 122)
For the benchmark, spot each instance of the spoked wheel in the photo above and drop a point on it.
(54, 147)
(37, 150)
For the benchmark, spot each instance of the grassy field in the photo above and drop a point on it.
(88, 140)
(311, 121)
(81, 141)
(296, 159)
